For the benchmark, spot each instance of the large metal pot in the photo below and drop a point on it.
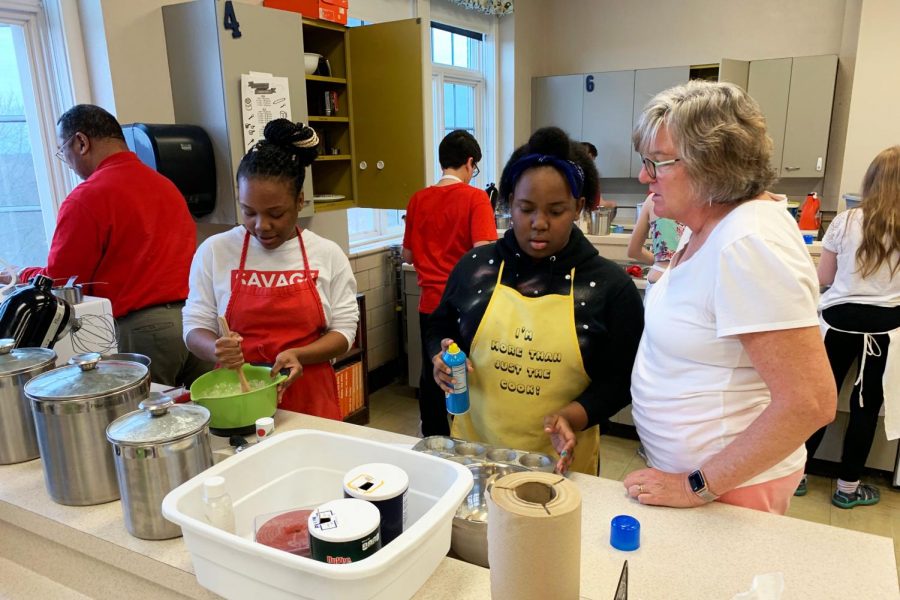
(156, 449)
(18, 441)
(72, 406)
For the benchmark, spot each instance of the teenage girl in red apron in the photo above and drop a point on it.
(274, 319)
(282, 325)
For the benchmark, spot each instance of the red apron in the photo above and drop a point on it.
(275, 318)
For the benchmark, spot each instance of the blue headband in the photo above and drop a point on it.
(574, 174)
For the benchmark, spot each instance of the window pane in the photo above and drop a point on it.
(465, 106)
(449, 112)
(360, 221)
(24, 239)
(460, 51)
(441, 49)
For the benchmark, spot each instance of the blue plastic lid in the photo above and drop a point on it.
(625, 533)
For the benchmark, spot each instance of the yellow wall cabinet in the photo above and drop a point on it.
(367, 106)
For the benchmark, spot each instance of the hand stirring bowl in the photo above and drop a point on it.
(245, 385)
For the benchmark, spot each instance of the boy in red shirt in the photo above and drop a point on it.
(443, 222)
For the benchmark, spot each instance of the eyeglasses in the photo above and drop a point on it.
(59, 151)
(475, 170)
(652, 165)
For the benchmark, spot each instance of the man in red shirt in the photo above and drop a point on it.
(127, 234)
(443, 222)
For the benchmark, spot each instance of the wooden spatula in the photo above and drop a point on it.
(245, 385)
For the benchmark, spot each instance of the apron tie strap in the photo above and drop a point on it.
(870, 348)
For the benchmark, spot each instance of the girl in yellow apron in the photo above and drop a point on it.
(550, 327)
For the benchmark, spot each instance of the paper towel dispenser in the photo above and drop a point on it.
(183, 154)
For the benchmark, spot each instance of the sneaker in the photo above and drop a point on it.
(801, 489)
(865, 495)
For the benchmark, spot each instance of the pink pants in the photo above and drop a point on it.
(770, 496)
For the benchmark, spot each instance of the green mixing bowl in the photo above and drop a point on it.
(241, 409)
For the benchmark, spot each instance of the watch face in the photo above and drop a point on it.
(696, 480)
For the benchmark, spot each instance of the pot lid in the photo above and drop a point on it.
(18, 360)
(86, 376)
(158, 420)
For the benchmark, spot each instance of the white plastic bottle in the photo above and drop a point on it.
(217, 505)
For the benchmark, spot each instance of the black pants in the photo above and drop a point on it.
(432, 405)
(843, 349)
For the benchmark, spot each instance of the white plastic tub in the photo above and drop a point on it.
(302, 469)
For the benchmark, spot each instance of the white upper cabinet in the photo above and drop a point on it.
(556, 101)
(606, 120)
(648, 83)
(796, 95)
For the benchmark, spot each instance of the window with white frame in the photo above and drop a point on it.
(458, 92)
(35, 87)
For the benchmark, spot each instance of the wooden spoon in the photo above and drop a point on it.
(245, 385)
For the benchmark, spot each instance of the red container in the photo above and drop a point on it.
(332, 10)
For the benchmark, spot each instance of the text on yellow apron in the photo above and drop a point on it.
(527, 364)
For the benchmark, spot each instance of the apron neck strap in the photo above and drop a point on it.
(247, 245)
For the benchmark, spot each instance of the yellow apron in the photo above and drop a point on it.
(527, 364)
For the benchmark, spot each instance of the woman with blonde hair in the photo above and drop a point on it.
(731, 376)
(861, 320)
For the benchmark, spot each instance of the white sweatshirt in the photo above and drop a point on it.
(210, 281)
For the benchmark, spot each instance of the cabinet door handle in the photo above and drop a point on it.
(379, 165)
(792, 168)
(363, 165)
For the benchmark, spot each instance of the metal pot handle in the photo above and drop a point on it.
(157, 404)
(87, 361)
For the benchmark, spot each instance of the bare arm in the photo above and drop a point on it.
(636, 250)
(407, 256)
(794, 366)
(827, 267)
(481, 243)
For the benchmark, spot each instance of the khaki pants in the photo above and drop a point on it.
(156, 332)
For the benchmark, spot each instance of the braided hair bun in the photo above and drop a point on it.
(285, 152)
(295, 138)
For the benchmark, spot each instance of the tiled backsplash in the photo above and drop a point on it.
(375, 278)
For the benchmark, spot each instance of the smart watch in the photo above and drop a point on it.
(698, 485)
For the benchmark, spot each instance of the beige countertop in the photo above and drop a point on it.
(711, 552)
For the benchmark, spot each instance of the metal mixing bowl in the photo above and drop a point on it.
(469, 537)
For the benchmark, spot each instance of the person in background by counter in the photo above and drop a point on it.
(550, 327)
(443, 222)
(664, 235)
(731, 376)
(289, 296)
(126, 233)
(598, 201)
(861, 319)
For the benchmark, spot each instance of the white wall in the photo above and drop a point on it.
(873, 124)
(606, 35)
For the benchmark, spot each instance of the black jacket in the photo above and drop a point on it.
(606, 300)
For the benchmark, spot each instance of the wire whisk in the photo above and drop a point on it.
(94, 333)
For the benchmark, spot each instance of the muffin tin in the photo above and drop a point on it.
(466, 453)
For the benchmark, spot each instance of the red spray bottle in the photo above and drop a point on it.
(810, 213)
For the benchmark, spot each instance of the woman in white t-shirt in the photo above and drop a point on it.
(731, 376)
(288, 295)
(861, 318)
